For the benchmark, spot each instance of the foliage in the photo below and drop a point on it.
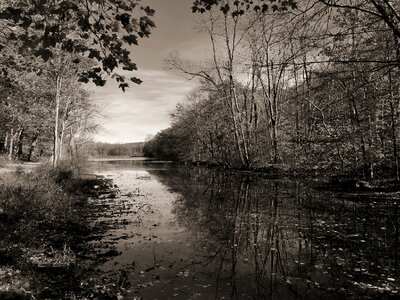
(47, 50)
(239, 7)
(314, 88)
(27, 130)
(99, 30)
(98, 149)
(165, 145)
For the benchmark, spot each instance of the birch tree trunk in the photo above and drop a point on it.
(56, 123)
(6, 142)
(19, 147)
(11, 145)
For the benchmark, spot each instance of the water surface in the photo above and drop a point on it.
(193, 233)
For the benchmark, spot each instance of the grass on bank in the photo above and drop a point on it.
(42, 221)
(34, 201)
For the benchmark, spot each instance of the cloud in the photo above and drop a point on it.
(142, 109)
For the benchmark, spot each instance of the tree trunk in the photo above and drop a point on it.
(275, 141)
(56, 125)
(61, 138)
(72, 146)
(355, 120)
(5, 147)
(63, 125)
(32, 147)
(238, 139)
(393, 127)
(11, 145)
(19, 153)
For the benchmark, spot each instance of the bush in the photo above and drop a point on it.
(42, 225)
(30, 203)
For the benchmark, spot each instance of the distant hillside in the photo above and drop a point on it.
(97, 149)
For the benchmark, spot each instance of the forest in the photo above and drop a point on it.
(307, 90)
(98, 149)
(52, 55)
(312, 84)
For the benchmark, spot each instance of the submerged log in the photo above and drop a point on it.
(360, 184)
(349, 182)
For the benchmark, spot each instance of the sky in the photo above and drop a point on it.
(144, 109)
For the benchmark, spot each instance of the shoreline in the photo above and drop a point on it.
(52, 246)
(71, 257)
(335, 181)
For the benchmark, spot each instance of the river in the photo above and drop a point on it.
(184, 232)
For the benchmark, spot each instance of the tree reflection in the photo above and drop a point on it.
(270, 239)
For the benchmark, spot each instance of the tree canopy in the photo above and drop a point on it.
(102, 30)
(312, 87)
(238, 7)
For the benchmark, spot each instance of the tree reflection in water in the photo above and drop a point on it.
(276, 239)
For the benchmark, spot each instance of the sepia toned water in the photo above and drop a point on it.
(193, 233)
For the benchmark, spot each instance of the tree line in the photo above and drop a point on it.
(308, 84)
(49, 50)
(50, 114)
(99, 149)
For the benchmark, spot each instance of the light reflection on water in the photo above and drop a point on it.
(193, 233)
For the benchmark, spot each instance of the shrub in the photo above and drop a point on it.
(30, 203)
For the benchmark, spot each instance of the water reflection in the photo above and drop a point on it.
(268, 239)
(139, 163)
(222, 235)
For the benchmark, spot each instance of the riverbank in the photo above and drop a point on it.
(323, 177)
(45, 223)
(153, 235)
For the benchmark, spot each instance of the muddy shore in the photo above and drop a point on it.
(45, 250)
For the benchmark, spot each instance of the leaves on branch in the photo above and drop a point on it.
(129, 66)
(149, 11)
(10, 13)
(79, 27)
(145, 24)
(93, 53)
(123, 86)
(240, 6)
(93, 74)
(130, 39)
(46, 54)
(123, 18)
(136, 80)
(225, 8)
(109, 63)
(84, 24)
